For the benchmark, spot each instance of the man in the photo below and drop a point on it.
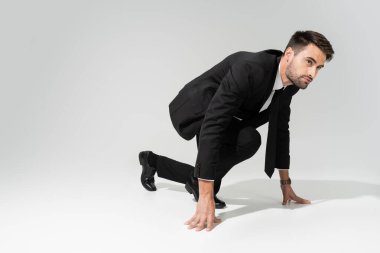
(224, 106)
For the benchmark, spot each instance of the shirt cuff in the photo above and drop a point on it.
(206, 179)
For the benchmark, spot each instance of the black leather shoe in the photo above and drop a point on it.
(147, 175)
(192, 187)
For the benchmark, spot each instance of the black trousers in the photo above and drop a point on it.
(239, 142)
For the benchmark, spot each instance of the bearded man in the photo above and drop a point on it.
(224, 106)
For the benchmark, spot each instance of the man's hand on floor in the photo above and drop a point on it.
(204, 216)
(288, 195)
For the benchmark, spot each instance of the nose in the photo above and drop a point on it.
(312, 72)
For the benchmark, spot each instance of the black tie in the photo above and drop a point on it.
(270, 157)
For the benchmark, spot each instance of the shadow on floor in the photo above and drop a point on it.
(260, 194)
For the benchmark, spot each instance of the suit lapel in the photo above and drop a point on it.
(270, 83)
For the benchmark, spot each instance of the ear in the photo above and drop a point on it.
(289, 53)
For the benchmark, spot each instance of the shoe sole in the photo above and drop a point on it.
(141, 160)
(190, 191)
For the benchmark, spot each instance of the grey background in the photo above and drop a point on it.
(85, 85)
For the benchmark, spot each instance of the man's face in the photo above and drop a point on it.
(303, 66)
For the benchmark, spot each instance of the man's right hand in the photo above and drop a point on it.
(204, 216)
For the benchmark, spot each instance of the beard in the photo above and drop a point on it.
(297, 80)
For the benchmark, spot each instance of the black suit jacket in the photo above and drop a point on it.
(237, 86)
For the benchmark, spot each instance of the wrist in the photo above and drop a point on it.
(286, 181)
(206, 188)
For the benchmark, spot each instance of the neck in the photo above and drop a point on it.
(283, 65)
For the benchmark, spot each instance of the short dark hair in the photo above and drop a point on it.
(301, 39)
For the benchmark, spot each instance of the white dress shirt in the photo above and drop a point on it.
(277, 85)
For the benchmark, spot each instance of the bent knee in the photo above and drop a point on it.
(249, 141)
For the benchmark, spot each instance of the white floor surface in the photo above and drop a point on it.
(109, 211)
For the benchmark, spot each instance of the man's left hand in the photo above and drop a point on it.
(289, 195)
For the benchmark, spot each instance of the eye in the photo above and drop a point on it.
(309, 62)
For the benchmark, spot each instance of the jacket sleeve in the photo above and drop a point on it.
(283, 135)
(227, 99)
